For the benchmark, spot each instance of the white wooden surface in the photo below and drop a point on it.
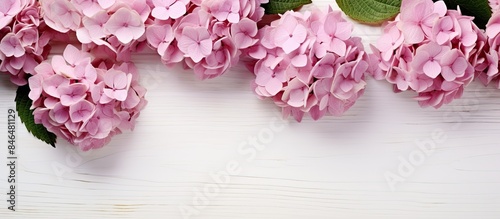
(332, 168)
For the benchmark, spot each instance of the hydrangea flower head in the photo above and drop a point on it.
(10, 8)
(491, 74)
(431, 50)
(206, 36)
(309, 64)
(117, 25)
(85, 104)
(24, 38)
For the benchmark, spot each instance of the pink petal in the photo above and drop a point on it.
(274, 86)
(297, 98)
(83, 35)
(338, 47)
(331, 25)
(160, 13)
(299, 33)
(316, 113)
(72, 94)
(195, 42)
(449, 57)
(29, 64)
(132, 100)
(299, 61)
(51, 84)
(206, 47)
(344, 30)
(120, 81)
(263, 78)
(432, 69)
(413, 34)
(177, 10)
(449, 86)
(288, 23)
(109, 77)
(73, 56)
(493, 29)
(60, 67)
(448, 74)
(35, 83)
(44, 69)
(460, 65)
(290, 45)
(81, 111)
(59, 113)
(11, 46)
(121, 95)
(468, 39)
(106, 3)
(280, 35)
(440, 8)
(155, 34)
(323, 103)
(99, 128)
(126, 25)
(442, 38)
(346, 85)
(51, 102)
(233, 18)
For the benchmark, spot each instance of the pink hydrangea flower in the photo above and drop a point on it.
(90, 7)
(290, 34)
(418, 17)
(491, 74)
(309, 64)
(431, 50)
(61, 15)
(116, 25)
(195, 42)
(10, 8)
(165, 9)
(206, 36)
(24, 38)
(126, 25)
(85, 104)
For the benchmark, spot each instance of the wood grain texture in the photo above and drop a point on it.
(332, 168)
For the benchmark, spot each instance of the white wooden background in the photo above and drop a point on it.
(332, 168)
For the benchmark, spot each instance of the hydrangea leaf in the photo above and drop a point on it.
(370, 11)
(23, 104)
(281, 6)
(479, 9)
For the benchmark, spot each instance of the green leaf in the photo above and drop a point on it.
(479, 9)
(281, 6)
(370, 11)
(23, 104)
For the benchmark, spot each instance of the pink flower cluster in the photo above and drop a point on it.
(310, 63)
(430, 50)
(82, 103)
(491, 73)
(207, 36)
(115, 27)
(23, 38)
